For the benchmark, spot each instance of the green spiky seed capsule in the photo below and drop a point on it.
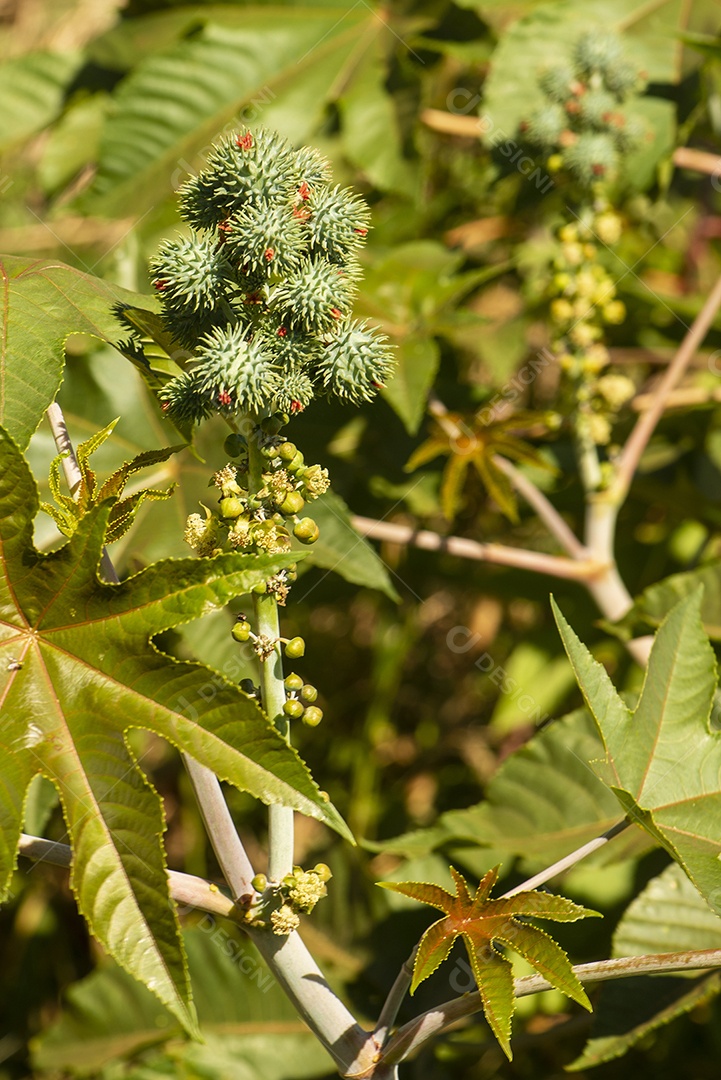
(293, 709)
(293, 503)
(312, 716)
(287, 451)
(231, 508)
(260, 883)
(293, 682)
(241, 631)
(235, 445)
(308, 693)
(295, 648)
(306, 531)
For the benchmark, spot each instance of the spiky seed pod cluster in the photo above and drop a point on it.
(262, 289)
(582, 126)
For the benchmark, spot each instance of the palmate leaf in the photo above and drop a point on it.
(77, 670)
(69, 511)
(670, 915)
(42, 304)
(481, 921)
(473, 443)
(663, 762)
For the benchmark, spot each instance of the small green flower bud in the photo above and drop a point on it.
(241, 630)
(306, 531)
(260, 883)
(287, 451)
(260, 588)
(323, 871)
(293, 503)
(293, 709)
(308, 693)
(231, 508)
(271, 425)
(293, 682)
(269, 450)
(312, 715)
(295, 648)
(295, 463)
(235, 445)
(291, 573)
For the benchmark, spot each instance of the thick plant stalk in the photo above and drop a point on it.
(280, 818)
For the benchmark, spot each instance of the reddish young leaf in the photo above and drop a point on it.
(481, 921)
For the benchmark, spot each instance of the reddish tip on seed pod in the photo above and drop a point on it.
(159, 284)
(304, 191)
(269, 254)
(598, 169)
(378, 385)
(165, 405)
(301, 212)
(282, 332)
(336, 313)
(361, 232)
(224, 398)
(245, 142)
(296, 407)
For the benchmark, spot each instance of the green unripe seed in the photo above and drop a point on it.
(260, 883)
(295, 648)
(260, 588)
(323, 871)
(241, 631)
(235, 445)
(306, 531)
(231, 507)
(293, 682)
(308, 693)
(287, 451)
(293, 503)
(312, 716)
(293, 709)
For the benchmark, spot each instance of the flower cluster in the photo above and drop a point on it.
(280, 905)
(260, 521)
(583, 304)
(261, 291)
(581, 125)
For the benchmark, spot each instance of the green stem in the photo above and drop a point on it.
(267, 625)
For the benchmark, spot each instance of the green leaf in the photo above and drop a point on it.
(78, 670)
(342, 550)
(32, 90)
(668, 916)
(663, 760)
(417, 359)
(43, 303)
(369, 134)
(278, 66)
(481, 922)
(251, 1030)
(70, 511)
(543, 802)
(651, 607)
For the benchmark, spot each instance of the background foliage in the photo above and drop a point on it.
(107, 108)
